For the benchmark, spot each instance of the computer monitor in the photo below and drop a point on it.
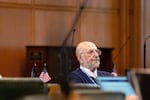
(141, 82)
(120, 84)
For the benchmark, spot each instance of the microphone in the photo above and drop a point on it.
(145, 50)
(74, 30)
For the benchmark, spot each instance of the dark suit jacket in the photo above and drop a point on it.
(78, 76)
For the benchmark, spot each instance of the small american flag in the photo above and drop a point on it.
(34, 72)
(44, 76)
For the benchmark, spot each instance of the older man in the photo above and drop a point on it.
(88, 56)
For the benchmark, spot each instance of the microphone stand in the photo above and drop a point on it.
(75, 22)
(64, 65)
(145, 52)
(121, 48)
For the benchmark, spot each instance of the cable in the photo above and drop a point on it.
(121, 48)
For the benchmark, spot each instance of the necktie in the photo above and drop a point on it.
(94, 80)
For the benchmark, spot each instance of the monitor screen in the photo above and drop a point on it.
(120, 84)
(143, 80)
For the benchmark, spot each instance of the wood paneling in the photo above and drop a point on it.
(108, 23)
(15, 27)
(112, 4)
(17, 1)
(99, 28)
(57, 2)
(51, 27)
(15, 33)
(12, 61)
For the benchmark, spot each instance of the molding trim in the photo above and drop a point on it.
(57, 8)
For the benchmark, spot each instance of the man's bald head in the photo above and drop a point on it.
(84, 46)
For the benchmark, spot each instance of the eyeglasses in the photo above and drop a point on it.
(92, 51)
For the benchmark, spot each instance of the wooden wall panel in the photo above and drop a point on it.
(136, 45)
(52, 27)
(15, 27)
(12, 62)
(98, 4)
(15, 33)
(57, 2)
(16, 1)
(99, 28)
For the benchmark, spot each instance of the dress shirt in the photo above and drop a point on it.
(88, 72)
